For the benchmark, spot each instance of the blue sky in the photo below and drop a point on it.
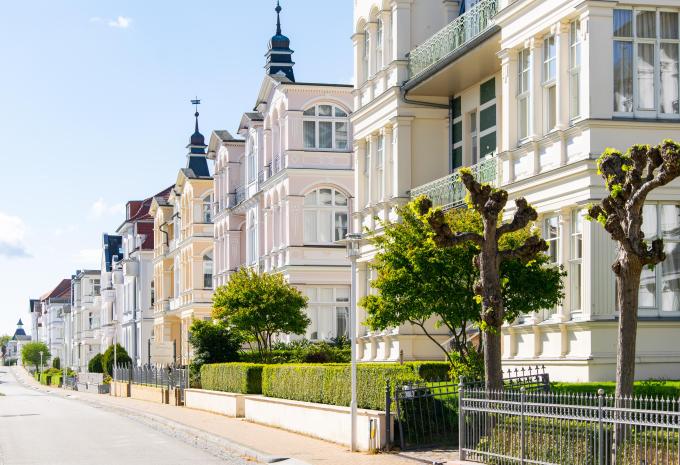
(94, 111)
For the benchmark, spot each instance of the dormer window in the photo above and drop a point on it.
(326, 127)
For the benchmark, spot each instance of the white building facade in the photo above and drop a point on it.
(84, 319)
(529, 93)
(284, 192)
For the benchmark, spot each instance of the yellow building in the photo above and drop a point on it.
(183, 255)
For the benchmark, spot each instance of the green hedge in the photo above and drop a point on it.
(244, 378)
(330, 383)
(309, 354)
(641, 388)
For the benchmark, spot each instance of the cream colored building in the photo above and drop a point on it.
(284, 191)
(528, 93)
(183, 253)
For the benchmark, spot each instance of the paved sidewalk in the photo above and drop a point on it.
(253, 438)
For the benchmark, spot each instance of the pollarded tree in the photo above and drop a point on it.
(630, 177)
(260, 306)
(419, 282)
(490, 204)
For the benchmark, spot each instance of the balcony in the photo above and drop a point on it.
(449, 192)
(454, 36)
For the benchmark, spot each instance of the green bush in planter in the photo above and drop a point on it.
(243, 378)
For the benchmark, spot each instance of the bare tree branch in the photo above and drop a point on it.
(524, 215)
(527, 252)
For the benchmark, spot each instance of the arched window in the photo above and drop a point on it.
(326, 213)
(208, 270)
(325, 128)
(206, 209)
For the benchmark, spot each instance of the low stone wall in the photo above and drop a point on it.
(328, 422)
(140, 392)
(223, 403)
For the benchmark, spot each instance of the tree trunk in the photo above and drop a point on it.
(493, 371)
(628, 274)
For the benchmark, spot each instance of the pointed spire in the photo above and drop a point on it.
(278, 17)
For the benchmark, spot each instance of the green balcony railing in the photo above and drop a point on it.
(457, 33)
(449, 192)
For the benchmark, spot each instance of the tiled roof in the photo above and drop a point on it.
(63, 290)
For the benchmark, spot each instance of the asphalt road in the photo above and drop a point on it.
(42, 429)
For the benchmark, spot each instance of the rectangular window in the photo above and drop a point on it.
(576, 261)
(367, 173)
(575, 69)
(646, 63)
(341, 136)
(207, 274)
(309, 128)
(551, 234)
(550, 82)
(474, 138)
(524, 94)
(325, 135)
(340, 226)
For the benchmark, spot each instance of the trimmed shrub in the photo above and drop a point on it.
(650, 388)
(309, 354)
(95, 364)
(431, 371)
(243, 378)
(330, 383)
(56, 363)
(122, 358)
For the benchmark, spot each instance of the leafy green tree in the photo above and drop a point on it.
(629, 178)
(260, 306)
(56, 363)
(122, 358)
(95, 364)
(213, 343)
(500, 246)
(419, 281)
(30, 354)
(3, 344)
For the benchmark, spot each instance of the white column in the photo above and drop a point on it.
(359, 194)
(386, 16)
(564, 309)
(387, 162)
(401, 30)
(372, 29)
(509, 75)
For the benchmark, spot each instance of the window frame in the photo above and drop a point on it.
(636, 41)
(207, 209)
(575, 49)
(317, 305)
(379, 36)
(334, 209)
(208, 258)
(576, 261)
(549, 83)
(657, 310)
(380, 166)
(335, 121)
(524, 94)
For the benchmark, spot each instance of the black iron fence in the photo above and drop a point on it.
(427, 413)
(156, 376)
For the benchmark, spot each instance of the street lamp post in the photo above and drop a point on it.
(42, 368)
(352, 242)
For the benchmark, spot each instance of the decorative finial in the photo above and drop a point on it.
(278, 17)
(196, 102)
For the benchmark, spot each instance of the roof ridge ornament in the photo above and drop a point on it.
(278, 17)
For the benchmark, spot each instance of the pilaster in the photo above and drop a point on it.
(508, 101)
(562, 46)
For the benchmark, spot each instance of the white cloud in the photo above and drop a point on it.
(12, 232)
(121, 22)
(100, 209)
(88, 258)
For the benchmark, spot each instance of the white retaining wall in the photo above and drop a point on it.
(224, 403)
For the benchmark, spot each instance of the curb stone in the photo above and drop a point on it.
(215, 445)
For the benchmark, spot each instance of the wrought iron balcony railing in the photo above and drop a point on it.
(449, 192)
(457, 33)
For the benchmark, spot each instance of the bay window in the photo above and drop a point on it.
(326, 216)
(660, 287)
(328, 310)
(524, 94)
(646, 63)
(325, 127)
